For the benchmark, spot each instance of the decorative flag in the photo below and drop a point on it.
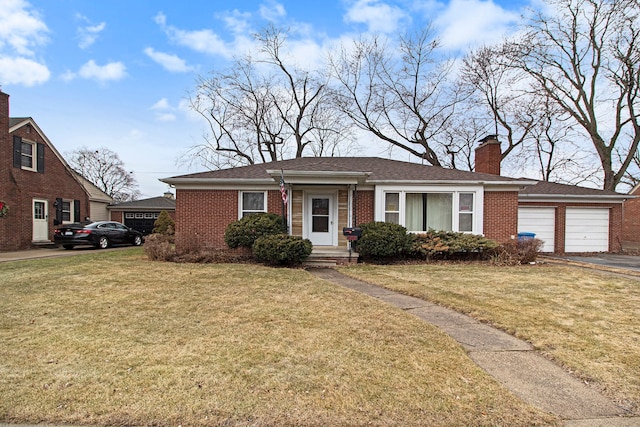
(283, 190)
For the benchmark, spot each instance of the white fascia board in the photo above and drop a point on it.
(214, 182)
(563, 198)
(501, 184)
(319, 177)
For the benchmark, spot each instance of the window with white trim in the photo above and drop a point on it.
(252, 202)
(67, 211)
(392, 208)
(424, 208)
(28, 152)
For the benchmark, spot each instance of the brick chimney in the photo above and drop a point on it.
(488, 155)
(4, 113)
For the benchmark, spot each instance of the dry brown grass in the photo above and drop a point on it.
(114, 339)
(586, 320)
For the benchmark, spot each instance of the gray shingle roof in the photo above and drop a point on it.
(153, 203)
(553, 188)
(379, 169)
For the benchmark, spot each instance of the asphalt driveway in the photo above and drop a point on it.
(627, 262)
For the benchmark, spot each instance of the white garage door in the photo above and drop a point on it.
(541, 221)
(587, 230)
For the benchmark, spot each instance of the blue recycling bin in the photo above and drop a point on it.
(526, 236)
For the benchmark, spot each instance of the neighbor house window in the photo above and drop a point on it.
(28, 150)
(419, 211)
(66, 211)
(252, 202)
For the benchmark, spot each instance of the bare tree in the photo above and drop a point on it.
(405, 100)
(585, 57)
(266, 108)
(106, 171)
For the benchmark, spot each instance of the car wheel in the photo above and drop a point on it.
(103, 242)
(137, 240)
(67, 246)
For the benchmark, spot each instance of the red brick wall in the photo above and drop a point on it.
(487, 157)
(364, 207)
(631, 219)
(202, 216)
(615, 222)
(500, 215)
(19, 187)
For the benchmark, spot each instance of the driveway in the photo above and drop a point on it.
(627, 262)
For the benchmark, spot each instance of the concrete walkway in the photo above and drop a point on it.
(511, 361)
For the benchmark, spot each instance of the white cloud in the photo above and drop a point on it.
(272, 11)
(169, 62)
(162, 104)
(101, 73)
(377, 15)
(164, 111)
(21, 29)
(237, 22)
(89, 33)
(166, 117)
(468, 23)
(22, 71)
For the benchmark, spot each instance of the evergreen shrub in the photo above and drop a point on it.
(245, 231)
(383, 241)
(282, 249)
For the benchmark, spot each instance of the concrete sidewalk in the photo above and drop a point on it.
(511, 361)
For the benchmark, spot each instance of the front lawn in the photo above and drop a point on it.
(586, 320)
(110, 338)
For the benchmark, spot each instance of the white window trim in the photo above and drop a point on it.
(34, 156)
(240, 193)
(478, 200)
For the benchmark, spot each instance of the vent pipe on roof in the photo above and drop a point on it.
(168, 195)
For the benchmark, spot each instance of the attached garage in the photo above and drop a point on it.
(541, 221)
(587, 230)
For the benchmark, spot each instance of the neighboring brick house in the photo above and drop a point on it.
(36, 184)
(631, 219)
(326, 194)
(142, 214)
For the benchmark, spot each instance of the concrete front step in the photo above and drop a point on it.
(330, 256)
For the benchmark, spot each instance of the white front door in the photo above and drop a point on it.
(40, 220)
(320, 219)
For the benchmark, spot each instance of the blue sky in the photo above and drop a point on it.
(116, 73)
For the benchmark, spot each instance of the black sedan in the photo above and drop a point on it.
(101, 234)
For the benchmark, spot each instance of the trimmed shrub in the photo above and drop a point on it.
(245, 231)
(159, 247)
(282, 249)
(451, 244)
(516, 252)
(383, 241)
(165, 225)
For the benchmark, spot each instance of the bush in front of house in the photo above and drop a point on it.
(165, 225)
(450, 244)
(384, 241)
(245, 231)
(282, 249)
(516, 252)
(159, 247)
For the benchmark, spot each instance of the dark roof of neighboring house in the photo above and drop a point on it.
(16, 120)
(378, 169)
(155, 203)
(556, 189)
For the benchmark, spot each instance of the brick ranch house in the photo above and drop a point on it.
(38, 186)
(631, 220)
(326, 194)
